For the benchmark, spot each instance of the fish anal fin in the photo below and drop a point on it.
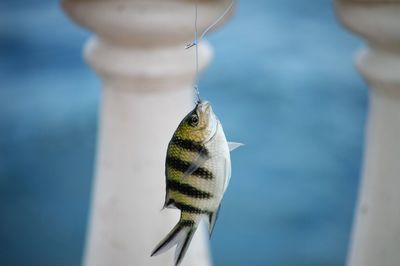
(212, 219)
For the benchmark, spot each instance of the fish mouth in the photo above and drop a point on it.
(204, 107)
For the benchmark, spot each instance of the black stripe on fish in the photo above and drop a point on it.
(190, 209)
(182, 166)
(186, 223)
(188, 190)
(190, 145)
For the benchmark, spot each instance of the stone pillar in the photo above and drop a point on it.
(376, 232)
(147, 75)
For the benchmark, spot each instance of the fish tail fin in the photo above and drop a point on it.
(181, 235)
(183, 245)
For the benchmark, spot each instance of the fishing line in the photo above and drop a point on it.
(197, 40)
(196, 84)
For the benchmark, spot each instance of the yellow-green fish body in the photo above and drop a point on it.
(198, 169)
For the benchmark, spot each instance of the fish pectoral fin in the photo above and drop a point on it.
(212, 218)
(234, 145)
(201, 159)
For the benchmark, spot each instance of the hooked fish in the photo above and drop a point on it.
(198, 169)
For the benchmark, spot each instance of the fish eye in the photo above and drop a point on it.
(194, 120)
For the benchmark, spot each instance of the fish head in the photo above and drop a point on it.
(200, 124)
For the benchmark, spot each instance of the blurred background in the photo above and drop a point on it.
(282, 82)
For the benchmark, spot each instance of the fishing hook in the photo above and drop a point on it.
(197, 40)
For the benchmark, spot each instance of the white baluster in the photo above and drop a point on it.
(376, 233)
(139, 53)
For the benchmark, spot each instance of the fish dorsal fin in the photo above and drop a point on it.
(234, 145)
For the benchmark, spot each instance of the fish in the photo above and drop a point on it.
(197, 170)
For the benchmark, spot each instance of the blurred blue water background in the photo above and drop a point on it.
(282, 82)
